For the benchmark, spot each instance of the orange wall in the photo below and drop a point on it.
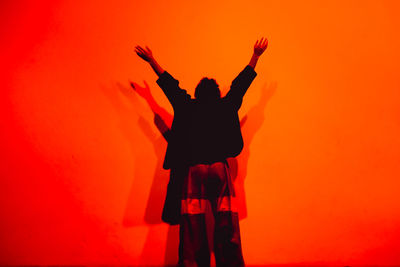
(81, 177)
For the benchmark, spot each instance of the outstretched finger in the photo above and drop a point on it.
(138, 47)
(261, 43)
(139, 54)
(265, 42)
(141, 50)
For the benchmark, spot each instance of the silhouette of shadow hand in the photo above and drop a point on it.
(142, 91)
(269, 90)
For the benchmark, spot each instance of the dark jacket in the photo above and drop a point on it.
(204, 131)
(201, 132)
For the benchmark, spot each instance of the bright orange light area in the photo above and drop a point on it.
(81, 166)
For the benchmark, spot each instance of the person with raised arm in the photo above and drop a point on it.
(205, 132)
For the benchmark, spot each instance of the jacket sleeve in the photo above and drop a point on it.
(240, 85)
(171, 89)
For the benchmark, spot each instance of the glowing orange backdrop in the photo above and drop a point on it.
(81, 158)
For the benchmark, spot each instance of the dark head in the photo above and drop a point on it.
(207, 89)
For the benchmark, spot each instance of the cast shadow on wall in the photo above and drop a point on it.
(133, 114)
(158, 135)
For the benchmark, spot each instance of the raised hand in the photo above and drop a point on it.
(260, 46)
(145, 54)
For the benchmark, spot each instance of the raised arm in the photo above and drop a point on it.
(243, 81)
(168, 84)
(259, 48)
(147, 56)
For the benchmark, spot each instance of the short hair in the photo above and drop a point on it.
(207, 89)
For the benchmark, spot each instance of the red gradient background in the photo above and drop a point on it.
(81, 176)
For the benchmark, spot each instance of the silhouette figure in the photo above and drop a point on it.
(249, 125)
(136, 212)
(205, 132)
(162, 120)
